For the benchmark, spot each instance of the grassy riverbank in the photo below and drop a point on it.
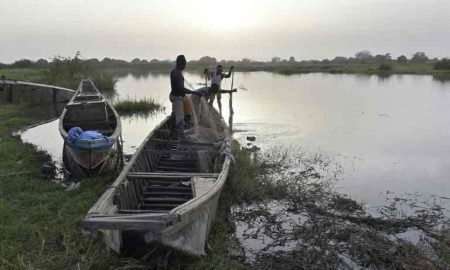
(104, 78)
(39, 221)
(39, 75)
(301, 68)
(63, 72)
(367, 69)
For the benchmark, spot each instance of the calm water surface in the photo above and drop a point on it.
(389, 134)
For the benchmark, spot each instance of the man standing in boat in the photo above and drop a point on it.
(216, 79)
(178, 93)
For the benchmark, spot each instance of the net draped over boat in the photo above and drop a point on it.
(208, 126)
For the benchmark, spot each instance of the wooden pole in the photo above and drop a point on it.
(230, 120)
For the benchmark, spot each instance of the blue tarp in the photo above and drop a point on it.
(76, 133)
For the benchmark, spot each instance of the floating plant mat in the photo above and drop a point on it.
(291, 218)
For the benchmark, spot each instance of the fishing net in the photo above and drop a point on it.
(208, 125)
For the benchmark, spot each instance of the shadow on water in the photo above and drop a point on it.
(291, 215)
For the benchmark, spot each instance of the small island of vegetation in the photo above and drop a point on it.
(137, 106)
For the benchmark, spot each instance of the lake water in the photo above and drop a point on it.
(389, 134)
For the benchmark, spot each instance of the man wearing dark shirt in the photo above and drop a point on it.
(177, 94)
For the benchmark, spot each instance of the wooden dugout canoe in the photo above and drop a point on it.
(89, 110)
(167, 193)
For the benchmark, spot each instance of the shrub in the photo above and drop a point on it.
(68, 72)
(443, 64)
(23, 63)
(402, 59)
(384, 67)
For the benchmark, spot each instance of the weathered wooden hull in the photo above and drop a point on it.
(12, 91)
(175, 208)
(90, 111)
(191, 233)
(79, 161)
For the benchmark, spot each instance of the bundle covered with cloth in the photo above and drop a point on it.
(76, 133)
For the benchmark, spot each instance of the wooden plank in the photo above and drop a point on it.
(165, 180)
(123, 197)
(32, 84)
(123, 224)
(130, 204)
(160, 205)
(175, 169)
(172, 152)
(171, 175)
(169, 189)
(162, 182)
(137, 193)
(154, 183)
(178, 163)
(131, 195)
(186, 193)
(89, 123)
(149, 161)
(152, 200)
(174, 160)
(143, 216)
(81, 103)
(180, 142)
(134, 211)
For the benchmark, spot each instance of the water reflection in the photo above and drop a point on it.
(139, 73)
(443, 79)
(383, 76)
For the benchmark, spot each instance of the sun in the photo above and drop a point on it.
(220, 15)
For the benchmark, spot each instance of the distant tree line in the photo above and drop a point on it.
(360, 58)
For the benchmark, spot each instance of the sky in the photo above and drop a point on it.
(229, 29)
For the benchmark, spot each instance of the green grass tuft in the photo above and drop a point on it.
(135, 106)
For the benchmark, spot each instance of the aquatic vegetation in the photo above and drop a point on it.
(134, 106)
(289, 217)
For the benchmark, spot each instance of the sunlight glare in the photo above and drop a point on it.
(218, 15)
